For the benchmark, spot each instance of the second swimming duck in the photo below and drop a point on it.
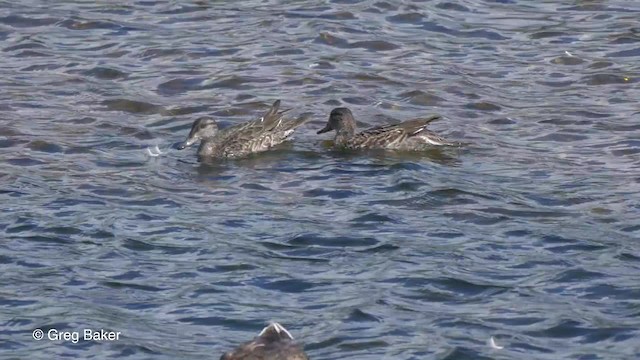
(408, 135)
(237, 141)
(273, 343)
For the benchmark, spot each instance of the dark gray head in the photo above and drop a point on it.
(203, 128)
(341, 119)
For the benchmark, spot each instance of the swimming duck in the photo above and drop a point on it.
(273, 343)
(240, 140)
(408, 135)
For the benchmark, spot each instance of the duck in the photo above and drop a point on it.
(411, 135)
(274, 342)
(244, 139)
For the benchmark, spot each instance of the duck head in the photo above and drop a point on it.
(341, 120)
(202, 129)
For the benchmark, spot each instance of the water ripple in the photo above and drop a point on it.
(526, 236)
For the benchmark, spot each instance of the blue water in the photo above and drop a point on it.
(529, 235)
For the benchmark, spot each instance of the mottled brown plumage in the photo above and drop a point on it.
(237, 141)
(273, 343)
(409, 135)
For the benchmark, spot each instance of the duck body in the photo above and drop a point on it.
(411, 135)
(273, 343)
(244, 139)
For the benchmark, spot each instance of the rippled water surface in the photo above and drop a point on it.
(530, 234)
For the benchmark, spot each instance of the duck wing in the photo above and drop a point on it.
(379, 137)
(394, 135)
(266, 122)
(261, 134)
(246, 142)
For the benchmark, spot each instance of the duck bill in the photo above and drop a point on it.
(186, 143)
(325, 129)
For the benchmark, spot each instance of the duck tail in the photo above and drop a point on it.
(273, 110)
(299, 121)
(273, 118)
(439, 141)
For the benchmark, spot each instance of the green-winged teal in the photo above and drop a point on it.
(408, 135)
(240, 140)
(273, 343)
